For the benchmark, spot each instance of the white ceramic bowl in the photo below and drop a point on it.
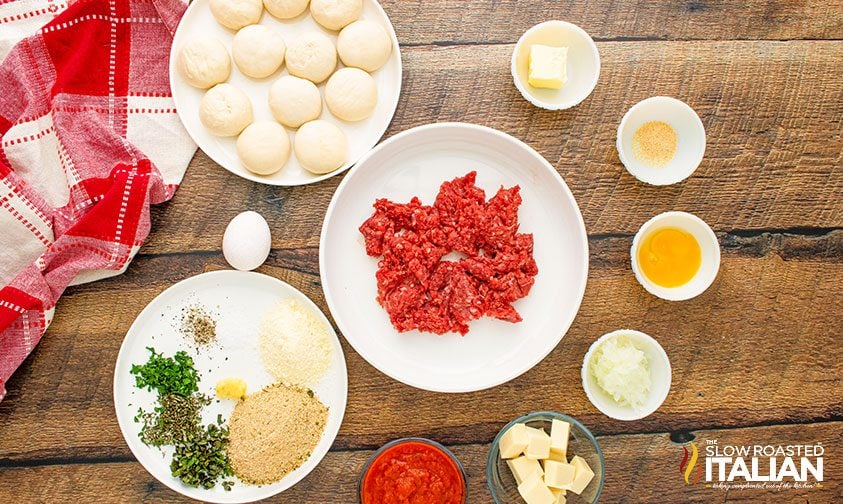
(415, 162)
(583, 64)
(709, 247)
(659, 371)
(690, 135)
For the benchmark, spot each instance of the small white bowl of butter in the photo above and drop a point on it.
(616, 366)
(580, 65)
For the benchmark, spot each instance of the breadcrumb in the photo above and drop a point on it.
(274, 431)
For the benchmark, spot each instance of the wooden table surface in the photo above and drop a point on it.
(756, 358)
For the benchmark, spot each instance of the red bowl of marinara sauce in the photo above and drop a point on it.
(413, 471)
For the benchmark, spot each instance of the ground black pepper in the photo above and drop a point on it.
(198, 326)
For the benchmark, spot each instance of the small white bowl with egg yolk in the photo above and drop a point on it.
(667, 259)
(583, 64)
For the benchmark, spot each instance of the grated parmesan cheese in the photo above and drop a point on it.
(294, 344)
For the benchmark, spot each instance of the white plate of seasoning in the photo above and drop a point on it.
(415, 163)
(361, 135)
(236, 301)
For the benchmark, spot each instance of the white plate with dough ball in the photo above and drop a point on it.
(199, 23)
(238, 302)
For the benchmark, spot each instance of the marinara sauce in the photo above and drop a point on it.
(413, 472)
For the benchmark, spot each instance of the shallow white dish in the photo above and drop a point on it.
(362, 135)
(660, 374)
(583, 64)
(709, 247)
(237, 300)
(690, 134)
(415, 163)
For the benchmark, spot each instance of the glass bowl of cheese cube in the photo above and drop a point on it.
(545, 458)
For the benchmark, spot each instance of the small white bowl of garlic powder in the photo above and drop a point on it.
(626, 374)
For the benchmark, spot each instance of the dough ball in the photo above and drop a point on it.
(225, 110)
(236, 14)
(334, 14)
(364, 44)
(351, 94)
(312, 56)
(263, 147)
(203, 62)
(285, 9)
(294, 101)
(320, 147)
(258, 50)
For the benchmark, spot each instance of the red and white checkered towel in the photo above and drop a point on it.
(89, 139)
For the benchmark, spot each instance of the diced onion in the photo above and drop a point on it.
(622, 371)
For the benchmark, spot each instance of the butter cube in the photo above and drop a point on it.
(523, 467)
(548, 66)
(514, 441)
(582, 475)
(559, 495)
(539, 445)
(558, 474)
(534, 491)
(559, 433)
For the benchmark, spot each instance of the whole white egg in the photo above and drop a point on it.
(246, 241)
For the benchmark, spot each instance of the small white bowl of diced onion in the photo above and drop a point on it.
(545, 458)
(626, 374)
(567, 69)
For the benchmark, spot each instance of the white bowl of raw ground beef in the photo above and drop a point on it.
(496, 346)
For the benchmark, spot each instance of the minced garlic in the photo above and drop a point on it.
(231, 388)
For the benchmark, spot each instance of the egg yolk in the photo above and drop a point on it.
(669, 257)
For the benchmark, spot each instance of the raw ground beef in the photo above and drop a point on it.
(422, 289)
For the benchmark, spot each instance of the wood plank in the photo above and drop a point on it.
(773, 112)
(641, 468)
(761, 346)
(500, 21)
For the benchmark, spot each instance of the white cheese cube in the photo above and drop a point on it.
(582, 475)
(559, 457)
(534, 491)
(558, 474)
(514, 441)
(559, 495)
(539, 445)
(559, 433)
(523, 467)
